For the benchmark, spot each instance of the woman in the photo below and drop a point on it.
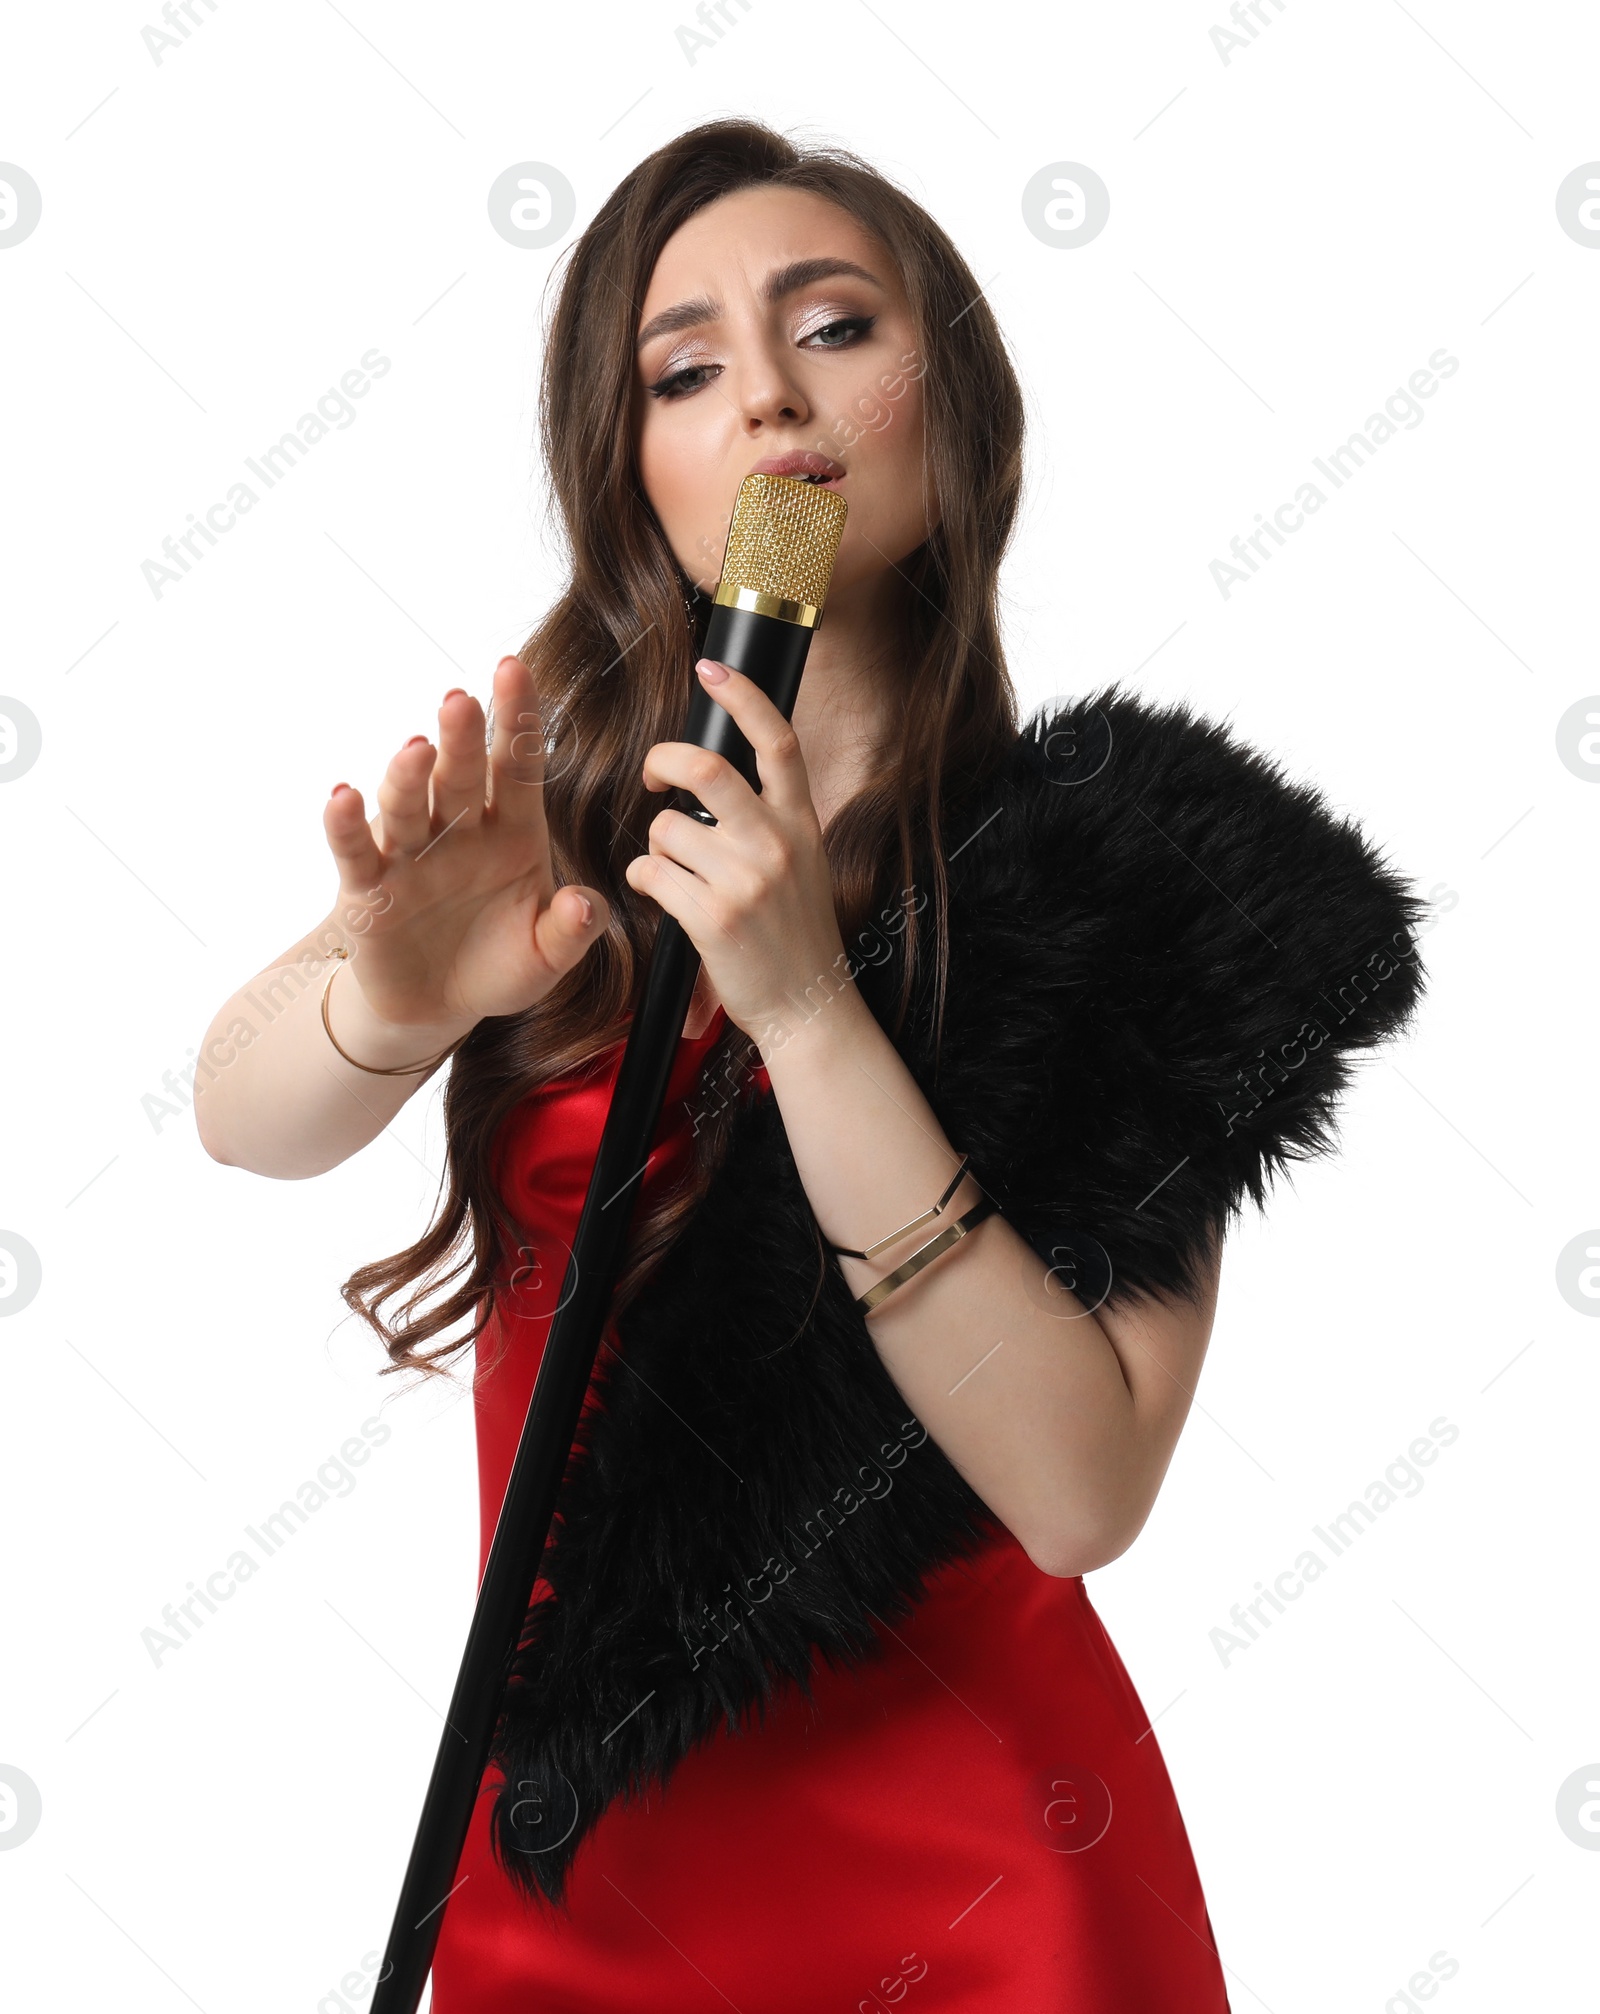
(813, 1709)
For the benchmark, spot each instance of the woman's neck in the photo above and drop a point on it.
(847, 709)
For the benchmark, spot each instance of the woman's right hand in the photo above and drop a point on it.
(450, 906)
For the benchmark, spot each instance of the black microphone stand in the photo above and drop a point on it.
(773, 654)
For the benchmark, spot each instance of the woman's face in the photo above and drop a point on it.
(775, 324)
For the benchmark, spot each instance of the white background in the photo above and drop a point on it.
(1292, 233)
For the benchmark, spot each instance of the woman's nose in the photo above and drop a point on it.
(768, 395)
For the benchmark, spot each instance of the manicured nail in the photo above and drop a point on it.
(712, 672)
(588, 910)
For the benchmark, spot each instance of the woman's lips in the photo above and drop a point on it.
(807, 464)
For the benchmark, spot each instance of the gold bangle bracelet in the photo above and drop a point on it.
(924, 1255)
(905, 1230)
(376, 1069)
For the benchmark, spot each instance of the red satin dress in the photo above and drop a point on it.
(978, 1820)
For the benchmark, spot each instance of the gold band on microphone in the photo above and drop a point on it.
(805, 613)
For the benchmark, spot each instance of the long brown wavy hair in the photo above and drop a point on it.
(612, 664)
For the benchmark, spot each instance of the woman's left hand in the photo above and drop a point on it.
(753, 892)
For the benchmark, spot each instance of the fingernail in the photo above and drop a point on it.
(334, 792)
(712, 672)
(454, 690)
(415, 739)
(588, 910)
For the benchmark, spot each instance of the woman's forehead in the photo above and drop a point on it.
(752, 232)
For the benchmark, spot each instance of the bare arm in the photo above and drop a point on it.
(272, 1094)
(448, 908)
(1063, 1420)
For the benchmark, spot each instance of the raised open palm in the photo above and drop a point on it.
(448, 894)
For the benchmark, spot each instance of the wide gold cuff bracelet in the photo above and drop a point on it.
(924, 1255)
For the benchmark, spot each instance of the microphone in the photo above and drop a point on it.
(782, 543)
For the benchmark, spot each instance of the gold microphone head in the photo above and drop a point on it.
(782, 544)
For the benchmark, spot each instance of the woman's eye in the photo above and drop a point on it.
(835, 335)
(677, 384)
(846, 330)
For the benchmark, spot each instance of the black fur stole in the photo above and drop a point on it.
(1163, 953)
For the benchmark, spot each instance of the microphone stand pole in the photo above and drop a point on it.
(564, 1372)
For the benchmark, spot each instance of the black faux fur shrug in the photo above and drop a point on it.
(1162, 954)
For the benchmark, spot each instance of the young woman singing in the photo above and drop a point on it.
(812, 1709)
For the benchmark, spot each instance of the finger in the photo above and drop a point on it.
(516, 754)
(681, 896)
(568, 924)
(700, 848)
(403, 799)
(344, 820)
(779, 762)
(708, 777)
(460, 776)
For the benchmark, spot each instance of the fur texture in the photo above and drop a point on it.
(1163, 956)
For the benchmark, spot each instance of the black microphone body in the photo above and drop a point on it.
(766, 649)
(770, 652)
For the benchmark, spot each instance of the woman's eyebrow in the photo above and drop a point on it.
(802, 273)
(786, 280)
